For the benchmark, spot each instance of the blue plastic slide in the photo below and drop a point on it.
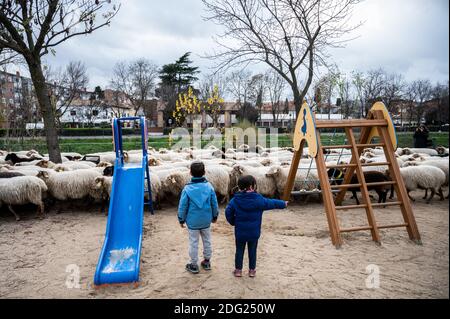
(120, 255)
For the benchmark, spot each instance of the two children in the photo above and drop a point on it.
(198, 208)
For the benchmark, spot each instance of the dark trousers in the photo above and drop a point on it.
(240, 249)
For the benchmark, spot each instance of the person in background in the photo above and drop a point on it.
(421, 137)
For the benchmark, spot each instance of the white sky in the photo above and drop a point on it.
(406, 36)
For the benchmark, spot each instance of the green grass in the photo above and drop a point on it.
(85, 146)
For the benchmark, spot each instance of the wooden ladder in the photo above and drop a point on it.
(332, 205)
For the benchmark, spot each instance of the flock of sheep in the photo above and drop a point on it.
(28, 177)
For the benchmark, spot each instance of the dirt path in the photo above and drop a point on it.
(295, 257)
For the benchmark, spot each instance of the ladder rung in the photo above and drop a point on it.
(376, 164)
(392, 226)
(331, 147)
(351, 207)
(320, 124)
(386, 204)
(342, 166)
(347, 230)
(381, 183)
(346, 186)
(370, 145)
(311, 192)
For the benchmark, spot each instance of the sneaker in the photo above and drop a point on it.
(206, 264)
(192, 268)
(237, 273)
(252, 273)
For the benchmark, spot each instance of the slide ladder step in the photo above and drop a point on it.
(352, 229)
(345, 186)
(351, 207)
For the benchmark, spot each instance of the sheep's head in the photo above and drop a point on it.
(43, 175)
(273, 171)
(60, 168)
(406, 151)
(99, 182)
(238, 169)
(126, 156)
(410, 163)
(244, 147)
(104, 164)
(440, 150)
(369, 154)
(266, 162)
(153, 161)
(43, 163)
(218, 153)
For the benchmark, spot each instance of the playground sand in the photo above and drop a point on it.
(295, 257)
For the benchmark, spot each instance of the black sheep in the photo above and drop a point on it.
(10, 174)
(13, 158)
(336, 177)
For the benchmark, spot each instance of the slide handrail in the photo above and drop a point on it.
(117, 135)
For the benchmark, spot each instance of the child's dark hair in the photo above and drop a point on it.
(245, 182)
(197, 169)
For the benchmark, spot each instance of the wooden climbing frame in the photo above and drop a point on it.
(378, 124)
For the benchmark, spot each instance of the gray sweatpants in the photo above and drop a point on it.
(194, 235)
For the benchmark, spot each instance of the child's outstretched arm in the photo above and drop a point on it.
(183, 207)
(230, 213)
(274, 204)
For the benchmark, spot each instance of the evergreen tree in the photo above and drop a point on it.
(175, 78)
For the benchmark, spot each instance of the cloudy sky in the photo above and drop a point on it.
(406, 36)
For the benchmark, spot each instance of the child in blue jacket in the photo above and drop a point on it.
(198, 208)
(244, 212)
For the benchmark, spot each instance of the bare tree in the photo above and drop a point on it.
(344, 88)
(208, 82)
(372, 88)
(239, 85)
(137, 80)
(422, 90)
(33, 29)
(392, 91)
(67, 85)
(291, 36)
(326, 85)
(275, 89)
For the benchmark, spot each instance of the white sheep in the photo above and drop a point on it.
(73, 166)
(72, 184)
(305, 179)
(219, 178)
(423, 177)
(266, 185)
(22, 190)
(428, 151)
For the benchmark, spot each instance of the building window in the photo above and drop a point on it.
(73, 113)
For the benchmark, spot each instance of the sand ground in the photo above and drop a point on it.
(295, 256)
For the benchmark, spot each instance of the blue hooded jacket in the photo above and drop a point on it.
(245, 211)
(198, 204)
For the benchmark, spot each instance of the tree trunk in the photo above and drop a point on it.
(297, 100)
(47, 111)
